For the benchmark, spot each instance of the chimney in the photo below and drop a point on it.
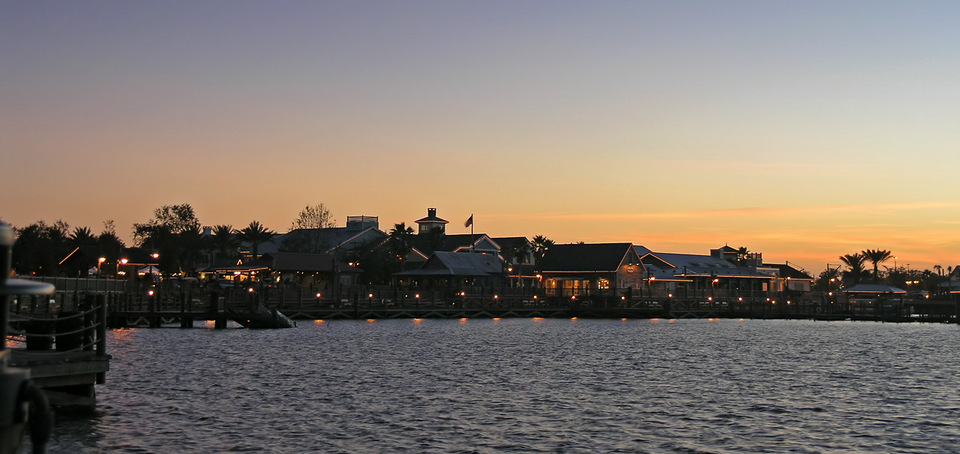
(431, 212)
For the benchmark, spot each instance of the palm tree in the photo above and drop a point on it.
(225, 240)
(256, 234)
(876, 256)
(855, 262)
(399, 240)
(82, 236)
(540, 245)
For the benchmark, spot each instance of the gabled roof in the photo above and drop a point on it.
(328, 238)
(311, 263)
(454, 243)
(786, 271)
(443, 263)
(669, 266)
(873, 288)
(600, 257)
(82, 254)
(432, 218)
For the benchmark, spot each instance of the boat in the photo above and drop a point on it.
(262, 318)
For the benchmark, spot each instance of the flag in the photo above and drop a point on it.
(469, 221)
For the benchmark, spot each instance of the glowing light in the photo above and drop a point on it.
(319, 322)
(370, 296)
(102, 259)
(741, 319)
(623, 319)
(538, 319)
(574, 318)
(654, 319)
(496, 319)
(318, 295)
(463, 320)
(150, 292)
(371, 320)
(250, 289)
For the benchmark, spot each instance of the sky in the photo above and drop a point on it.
(804, 130)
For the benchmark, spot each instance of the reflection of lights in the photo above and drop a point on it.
(371, 320)
(463, 320)
(654, 319)
(318, 322)
(623, 319)
(417, 321)
(496, 319)
(574, 319)
(538, 319)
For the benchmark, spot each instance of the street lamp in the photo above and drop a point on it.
(100, 265)
(121, 262)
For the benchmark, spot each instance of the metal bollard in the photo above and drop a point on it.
(23, 403)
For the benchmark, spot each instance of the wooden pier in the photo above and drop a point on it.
(184, 309)
(64, 348)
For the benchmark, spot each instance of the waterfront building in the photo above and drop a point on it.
(571, 270)
(359, 231)
(455, 272)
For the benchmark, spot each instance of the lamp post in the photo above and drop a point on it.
(100, 265)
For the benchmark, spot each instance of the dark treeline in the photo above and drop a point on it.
(176, 235)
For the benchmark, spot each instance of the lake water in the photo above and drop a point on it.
(528, 385)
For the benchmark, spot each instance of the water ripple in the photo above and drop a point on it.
(519, 385)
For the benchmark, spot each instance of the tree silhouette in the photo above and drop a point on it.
(399, 240)
(256, 234)
(540, 245)
(855, 263)
(225, 241)
(876, 256)
(171, 233)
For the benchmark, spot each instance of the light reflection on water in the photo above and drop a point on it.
(525, 385)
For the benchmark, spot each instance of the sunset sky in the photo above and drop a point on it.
(804, 130)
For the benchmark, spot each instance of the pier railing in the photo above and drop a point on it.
(46, 325)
